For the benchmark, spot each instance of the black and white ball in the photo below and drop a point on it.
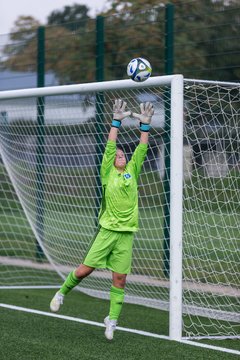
(139, 69)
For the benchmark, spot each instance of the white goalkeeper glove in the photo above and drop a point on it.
(145, 117)
(119, 112)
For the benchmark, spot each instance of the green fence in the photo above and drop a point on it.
(206, 44)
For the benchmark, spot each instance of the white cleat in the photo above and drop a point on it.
(110, 327)
(56, 302)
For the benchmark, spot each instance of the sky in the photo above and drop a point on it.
(11, 9)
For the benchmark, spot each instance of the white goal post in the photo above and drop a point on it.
(51, 143)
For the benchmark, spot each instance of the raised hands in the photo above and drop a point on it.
(119, 110)
(146, 114)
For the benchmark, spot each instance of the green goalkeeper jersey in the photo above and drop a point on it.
(119, 210)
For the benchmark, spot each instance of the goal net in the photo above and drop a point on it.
(51, 144)
(211, 211)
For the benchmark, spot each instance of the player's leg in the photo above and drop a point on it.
(95, 258)
(117, 295)
(116, 303)
(72, 280)
(119, 262)
(75, 277)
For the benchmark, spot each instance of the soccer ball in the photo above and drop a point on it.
(139, 69)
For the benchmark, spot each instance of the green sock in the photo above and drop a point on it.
(70, 282)
(116, 302)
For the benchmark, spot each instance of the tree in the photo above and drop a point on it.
(206, 40)
(211, 41)
(133, 30)
(24, 30)
(71, 17)
(206, 36)
(70, 57)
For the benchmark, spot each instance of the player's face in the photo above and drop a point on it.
(120, 160)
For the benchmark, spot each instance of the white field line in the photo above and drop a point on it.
(29, 287)
(212, 347)
(88, 322)
(133, 331)
(152, 303)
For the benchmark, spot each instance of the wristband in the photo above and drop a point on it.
(116, 123)
(144, 127)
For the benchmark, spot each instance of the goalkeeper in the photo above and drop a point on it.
(118, 218)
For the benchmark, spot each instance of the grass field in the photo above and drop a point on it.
(209, 235)
(27, 336)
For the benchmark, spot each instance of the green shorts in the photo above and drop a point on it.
(111, 250)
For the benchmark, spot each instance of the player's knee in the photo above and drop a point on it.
(119, 280)
(83, 271)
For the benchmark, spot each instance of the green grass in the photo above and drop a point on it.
(210, 255)
(19, 275)
(29, 336)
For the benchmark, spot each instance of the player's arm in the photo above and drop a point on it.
(119, 113)
(145, 117)
(144, 137)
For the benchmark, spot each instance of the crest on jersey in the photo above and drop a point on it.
(127, 176)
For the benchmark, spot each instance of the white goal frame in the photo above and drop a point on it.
(176, 184)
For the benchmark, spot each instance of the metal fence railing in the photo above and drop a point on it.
(205, 44)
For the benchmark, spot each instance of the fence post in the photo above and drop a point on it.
(169, 69)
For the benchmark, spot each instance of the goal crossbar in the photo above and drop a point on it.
(88, 87)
